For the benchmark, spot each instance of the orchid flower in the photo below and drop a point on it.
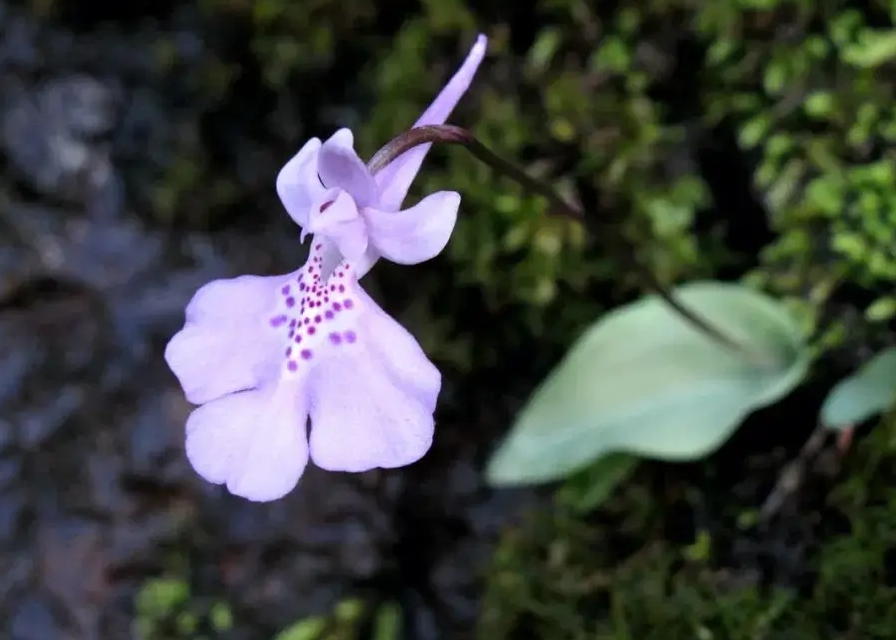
(263, 355)
(327, 189)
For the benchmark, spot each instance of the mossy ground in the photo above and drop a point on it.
(619, 576)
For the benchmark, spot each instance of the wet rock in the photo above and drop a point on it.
(18, 40)
(328, 531)
(452, 524)
(49, 133)
(35, 619)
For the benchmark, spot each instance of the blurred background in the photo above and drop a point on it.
(139, 144)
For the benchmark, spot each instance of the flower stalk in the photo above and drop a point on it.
(450, 134)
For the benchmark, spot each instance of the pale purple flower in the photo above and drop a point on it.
(262, 355)
(327, 189)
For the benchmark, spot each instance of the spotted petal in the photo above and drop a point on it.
(255, 441)
(372, 398)
(417, 234)
(225, 345)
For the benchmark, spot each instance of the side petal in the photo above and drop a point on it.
(417, 234)
(255, 441)
(340, 167)
(297, 183)
(226, 345)
(372, 400)
(395, 179)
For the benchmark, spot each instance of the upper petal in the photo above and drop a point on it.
(340, 167)
(395, 179)
(372, 397)
(255, 441)
(297, 183)
(226, 344)
(416, 234)
(337, 218)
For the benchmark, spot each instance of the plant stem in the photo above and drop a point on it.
(451, 134)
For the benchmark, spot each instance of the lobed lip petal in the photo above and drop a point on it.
(297, 183)
(224, 346)
(340, 167)
(395, 179)
(254, 441)
(416, 234)
(372, 400)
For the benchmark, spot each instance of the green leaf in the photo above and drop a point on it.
(643, 381)
(874, 48)
(819, 104)
(544, 49)
(591, 487)
(871, 390)
(387, 624)
(754, 130)
(307, 629)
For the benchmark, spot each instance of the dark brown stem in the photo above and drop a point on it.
(451, 134)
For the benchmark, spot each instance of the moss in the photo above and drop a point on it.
(165, 610)
(819, 116)
(562, 577)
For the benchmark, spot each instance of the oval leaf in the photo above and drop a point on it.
(645, 382)
(871, 390)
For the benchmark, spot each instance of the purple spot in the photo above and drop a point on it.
(317, 319)
(311, 331)
(350, 336)
(306, 321)
(292, 323)
(302, 287)
(306, 354)
(348, 303)
(290, 301)
(337, 306)
(335, 338)
(288, 351)
(292, 332)
(332, 287)
(285, 289)
(277, 321)
(328, 314)
(298, 339)
(342, 288)
(292, 365)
